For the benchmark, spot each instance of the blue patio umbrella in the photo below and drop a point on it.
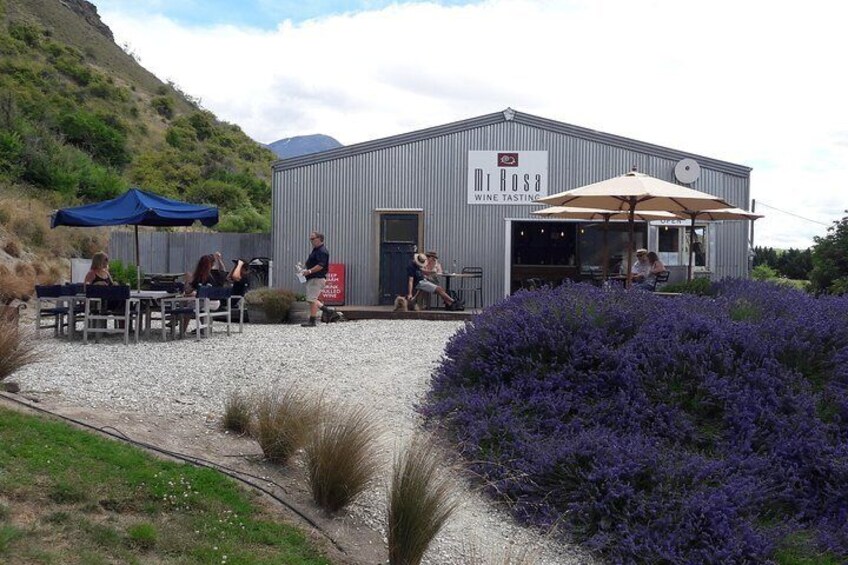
(136, 207)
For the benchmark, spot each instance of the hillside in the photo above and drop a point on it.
(302, 145)
(81, 121)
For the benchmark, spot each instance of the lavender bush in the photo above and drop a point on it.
(658, 430)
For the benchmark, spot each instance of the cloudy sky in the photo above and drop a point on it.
(759, 83)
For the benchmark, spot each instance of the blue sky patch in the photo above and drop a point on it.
(262, 14)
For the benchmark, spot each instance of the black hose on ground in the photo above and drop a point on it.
(197, 461)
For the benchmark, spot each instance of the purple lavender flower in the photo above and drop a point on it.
(684, 430)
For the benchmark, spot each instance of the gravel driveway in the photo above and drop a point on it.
(382, 364)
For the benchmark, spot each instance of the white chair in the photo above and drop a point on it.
(199, 309)
(225, 312)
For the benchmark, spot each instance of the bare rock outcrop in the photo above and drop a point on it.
(88, 12)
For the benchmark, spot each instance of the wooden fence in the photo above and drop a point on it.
(178, 252)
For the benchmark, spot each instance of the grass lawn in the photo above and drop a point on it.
(68, 496)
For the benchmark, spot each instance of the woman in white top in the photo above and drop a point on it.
(433, 267)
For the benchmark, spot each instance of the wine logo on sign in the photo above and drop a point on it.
(507, 159)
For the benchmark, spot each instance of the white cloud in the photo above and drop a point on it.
(755, 83)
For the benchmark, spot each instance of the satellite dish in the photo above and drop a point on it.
(687, 171)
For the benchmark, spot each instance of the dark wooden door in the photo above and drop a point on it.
(398, 241)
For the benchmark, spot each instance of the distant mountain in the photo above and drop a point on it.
(302, 145)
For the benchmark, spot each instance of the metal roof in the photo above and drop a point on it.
(508, 115)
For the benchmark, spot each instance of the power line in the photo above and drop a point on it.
(792, 214)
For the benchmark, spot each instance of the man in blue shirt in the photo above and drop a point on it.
(416, 281)
(316, 277)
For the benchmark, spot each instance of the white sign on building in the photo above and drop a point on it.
(507, 177)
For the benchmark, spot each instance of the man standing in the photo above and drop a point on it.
(316, 277)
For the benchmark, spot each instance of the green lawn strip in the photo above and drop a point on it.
(68, 496)
(797, 549)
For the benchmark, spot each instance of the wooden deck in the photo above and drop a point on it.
(388, 313)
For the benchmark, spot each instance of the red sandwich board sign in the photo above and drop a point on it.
(334, 291)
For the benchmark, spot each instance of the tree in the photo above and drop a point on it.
(795, 263)
(790, 263)
(765, 256)
(830, 260)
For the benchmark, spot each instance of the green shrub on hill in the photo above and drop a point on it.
(166, 169)
(104, 142)
(220, 193)
(164, 106)
(11, 153)
(245, 220)
(27, 33)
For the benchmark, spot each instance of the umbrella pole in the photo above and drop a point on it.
(630, 218)
(606, 250)
(137, 262)
(691, 245)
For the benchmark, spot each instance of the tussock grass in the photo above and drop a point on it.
(284, 421)
(17, 348)
(14, 287)
(25, 270)
(238, 412)
(421, 501)
(341, 458)
(13, 248)
(19, 282)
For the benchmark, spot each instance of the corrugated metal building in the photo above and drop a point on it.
(466, 190)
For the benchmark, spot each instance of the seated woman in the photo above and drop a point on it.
(433, 268)
(656, 267)
(210, 271)
(99, 274)
(203, 275)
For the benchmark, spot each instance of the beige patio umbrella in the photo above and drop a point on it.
(711, 215)
(593, 214)
(632, 191)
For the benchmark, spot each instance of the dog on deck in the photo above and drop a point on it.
(403, 305)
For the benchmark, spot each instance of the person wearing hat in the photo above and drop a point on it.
(416, 281)
(641, 267)
(433, 268)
